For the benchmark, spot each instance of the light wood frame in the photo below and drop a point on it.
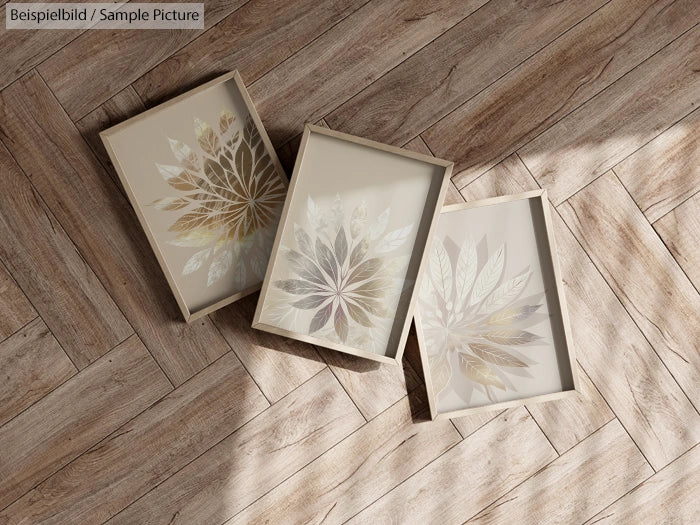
(447, 167)
(105, 136)
(560, 303)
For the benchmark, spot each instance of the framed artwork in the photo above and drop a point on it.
(349, 252)
(208, 189)
(491, 320)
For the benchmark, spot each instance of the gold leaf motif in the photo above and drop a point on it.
(495, 355)
(508, 316)
(476, 370)
(510, 337)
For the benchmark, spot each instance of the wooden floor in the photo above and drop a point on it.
(114, 410)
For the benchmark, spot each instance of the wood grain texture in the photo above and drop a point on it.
(555, 495)
(670, 497)
(16, 308)
(666, 171)
(278, 365)
(58, 281)
(643, 274)
(466, 478)
(593, 138)
(680, 231)
(455, 67)
(347, 58)
(104, 228)
(101, 62)
(540, 91)
(250, 40)
(146, 450)
(218, 484)
(355, 472)
(32, 364)
(76, 415)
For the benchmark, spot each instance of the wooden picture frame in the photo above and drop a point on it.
(208, 198)
(366, 211)
(477, 302)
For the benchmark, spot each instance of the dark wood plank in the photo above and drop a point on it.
(32, 364)
(98, 64)
(278, 365)
(103, 226)
(76, 415)
(555, 495)
(549, 85)
(254, 459)
(455, 67)
(666, 171)
(61, 286)
(618, 121)
(14, 305)
(680, 231)
(643, 274)
(358, 470)
(347, 58)
(146, 450)
(252, 40)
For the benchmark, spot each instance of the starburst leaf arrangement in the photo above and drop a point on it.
(231, 199)
(344, 270)
(475, 314)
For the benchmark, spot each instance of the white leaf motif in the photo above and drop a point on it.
(219, 266)
(465, 272)
(506, 293)
(394, 239)
(441, 270)
(379, 225)
(195, 262)
(194, 238)
(169, 172)
(488, 277)
(315, 215)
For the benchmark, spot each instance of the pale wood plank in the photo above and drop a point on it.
(278, 365)
(680, 231)
(102, 63)
(616, 122)
(347, 58)
(120, 107)
(643, 274)
(530, 98)
(146, 450)
(103, 226)
(254, 459)
(80, 412)
(32, 364)
(465, 479)
(576, 485)
(666, 171)
(669, 497)
(358, 470)
(61, 286)
(455, 67)
(610, 348)
(250, 40)
(467, 425)
(14, 305)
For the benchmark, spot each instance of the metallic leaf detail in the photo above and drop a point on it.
(495, 355)
(476, 370)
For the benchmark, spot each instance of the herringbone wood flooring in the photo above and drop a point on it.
(114, 410)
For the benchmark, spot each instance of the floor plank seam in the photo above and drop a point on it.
(37, 316)
(545, 434)
(341, 384)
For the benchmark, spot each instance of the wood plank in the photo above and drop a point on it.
(250, 40)
(16, 308)
(641, 392)
(616, 122)
(61, 286)
(254, 459)
(77, 414)
(278, 364)
(146, 450)
(347, 58)
(643, 274)
(455, 67)
(355, 472)
(680, 231)
(607, 463)
(120, 107)
(670, 496)
(573, 68)
(465, 479)
(103, 226)
(101, 62)
(32, 364)
(666, 171)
